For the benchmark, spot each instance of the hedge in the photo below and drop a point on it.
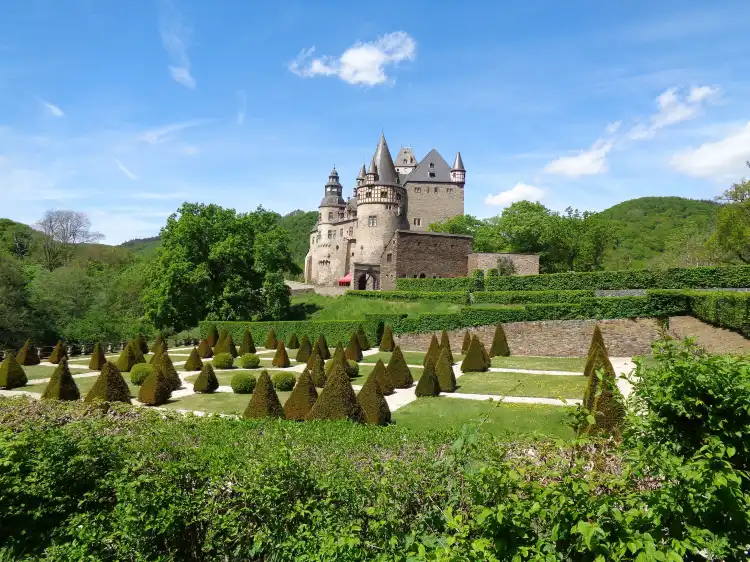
(458, 297)
(725, 309)
(530, 297)
(438, 284)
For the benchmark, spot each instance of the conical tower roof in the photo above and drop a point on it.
(373, 167)
(458, 165)
(362, 173)
(386, 171)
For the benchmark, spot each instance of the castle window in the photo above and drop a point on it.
(432, 174)
(398, 197)
(432, 165)
(351, 230)
(417, 221)
(389, 257)
(417, 189)
(449, 190)
(337, 247)
(404, 160)
(342, 232)
(436, 189)
(384, 194)
(330, 234)
(372, 220)
(330, 216)
(368, 194)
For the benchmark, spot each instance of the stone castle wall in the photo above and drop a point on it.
(526, 264)
(371, 240)
(429, 206)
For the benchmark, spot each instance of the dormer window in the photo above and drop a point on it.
(432, 165)
(432, 174)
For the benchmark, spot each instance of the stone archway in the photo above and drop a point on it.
(422, 276)
(362, 282)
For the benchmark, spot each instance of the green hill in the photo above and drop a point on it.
(652, 228)
(144, 246)
(299, 224)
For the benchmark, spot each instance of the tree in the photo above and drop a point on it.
(63, 232)
(732, 232)
(16, 320)
(16, 238)
(277, 295)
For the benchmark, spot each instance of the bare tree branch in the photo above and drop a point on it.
(63, 232)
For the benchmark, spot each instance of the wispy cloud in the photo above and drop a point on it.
(52, 109)
(519, 192)
(242, 99)
(175, 37)
(589, 162)
(722, 160)
(162, 134)
(130, 175)
(675, 106)
(362, 63)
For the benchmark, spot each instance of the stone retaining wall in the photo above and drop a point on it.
(560, 338)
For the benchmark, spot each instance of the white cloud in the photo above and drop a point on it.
(675, 107)
(175, 38)
(721, 160)
(130, 175)
(52, 109)
(586, 163)
(612, 128)
(242, 98)
(162, 134)
(363, 63)
(519, 192)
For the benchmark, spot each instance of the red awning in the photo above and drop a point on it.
(346, 280)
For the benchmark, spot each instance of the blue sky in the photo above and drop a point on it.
(124, 109)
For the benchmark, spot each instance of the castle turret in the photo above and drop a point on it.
(362, 176)
(458, 172)
(372, 172)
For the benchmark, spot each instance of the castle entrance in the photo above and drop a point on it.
(362, 282)
(367, 277)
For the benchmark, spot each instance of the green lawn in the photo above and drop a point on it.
(42, 371)
(504, 419)
(218, 402)
(412, 357)
(312, 306)
(84, 384)
(540, 363)
(523, 384)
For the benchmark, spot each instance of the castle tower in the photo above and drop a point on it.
(361, 178)
(458, 172)
(333, 203)
(405, 160)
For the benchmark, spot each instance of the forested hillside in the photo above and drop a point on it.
(299, 224)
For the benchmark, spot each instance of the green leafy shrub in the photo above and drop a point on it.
(428, 384)
(98, 358)
(597, 362)
(325, 352)
(457, 297)
(61, 385)
(293, 342)
(444, 372)
(204, 349)
(337, 401)
(304, 351)
(374, 406)
(223, 361)
(193, 362)
(353, 351)
(387, 343)
(499, 347)
(248, 344)
(58, 353)
(477, 277)
(243, 383)
(212, 336)
(445, 343)
(109, 386)
(207, 383)
(531, 297)
(302, 398)
(441, 284)
(433, 351)
(156, 389)
(381, 376)
(271, 341)
(284, 381)
(28, 355)
(170, 373)
(280, 358)
(725, 309)
(398, 371)
(466, 342)
(140, 373)
(364, 343)
(126, 360)
(264, 402)
(249, 361)
(476, 359)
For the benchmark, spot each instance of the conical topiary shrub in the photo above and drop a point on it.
(169, 372)
(608, 409)
(137, 353)
(158, 343)
(271, 341)
(293, 341)
(206, 381)
(353, 351)
(126, 360)
(226, 345)
(220, 340)
(398, 371)
(485, 355)
(444, 372)
(193, 362)
(386, 342)
(12, 374)
(302, 398)
(338, 357)
(445, 343)
(141, 343)
(433, 351)
(247, 345)
(157, 351)
(212, 337)
(499, 347)
(317, 368)
(428, 384)
(374, 406)
(109, 386)
(381, 375)
(28, 355)
(304, 351)
(476, 359)
(364, 343)
(58, 353)
(466, 343)
(156, 389)
(98, 359)
(598, 360)
(325, 352)
(280, 358)
(61, 385)
(337, 401)
(265, 402)
(597, 341)
(204, 350)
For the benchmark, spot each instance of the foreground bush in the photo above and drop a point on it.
(223, 361)
(12, 374)
(317, 368)
(353, 351)
(466, 343)
(283, 381)
(127, 359)
(61, 385)
(166, 366)
(109, 386)
(159, 343)
(249, 361)
(302, 398)
(243, 383)
(140, 373)
(206, 383)
(265, 402)
(323, 349)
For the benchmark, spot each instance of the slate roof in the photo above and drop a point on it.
(440, 169)
(386, 171)
(458, 164)
(405, 157)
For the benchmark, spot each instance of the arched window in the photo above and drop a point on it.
(422, 276)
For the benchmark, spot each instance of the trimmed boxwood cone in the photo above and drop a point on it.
(597, 341)
(109, 386)
(304, 351)
(162, 348)
(302, 398)
(140, 341)
(280, 358)
(317, 368)
(226, 345)
(265, 402)
(206, 381)
(193, 362)
(364, 343)
(466, 343)
(58, 353)
(169, 372)
(137, 353)
(97, 358)
(204, 350)
(499, 347)
(398, 371)
(271, 341)
(12, 374)
(126, 360)
(337, 401)
(386, 342)
(159, 341)
(444, 372)
(28, 355)
(373, 403)
(381, 375)
(433, 351)
(476, 357)
(212, 338)
(446, 344)
(338, 357)
(609, 409)
(156, 389)
(220, 340)
(322, 344)
(61, 385)
(353, 351)
(428, 384)
(293, 342)
(596, 337)
(247, 345)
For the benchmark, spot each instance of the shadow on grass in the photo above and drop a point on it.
(303, 310)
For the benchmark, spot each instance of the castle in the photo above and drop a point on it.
(380, 233)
